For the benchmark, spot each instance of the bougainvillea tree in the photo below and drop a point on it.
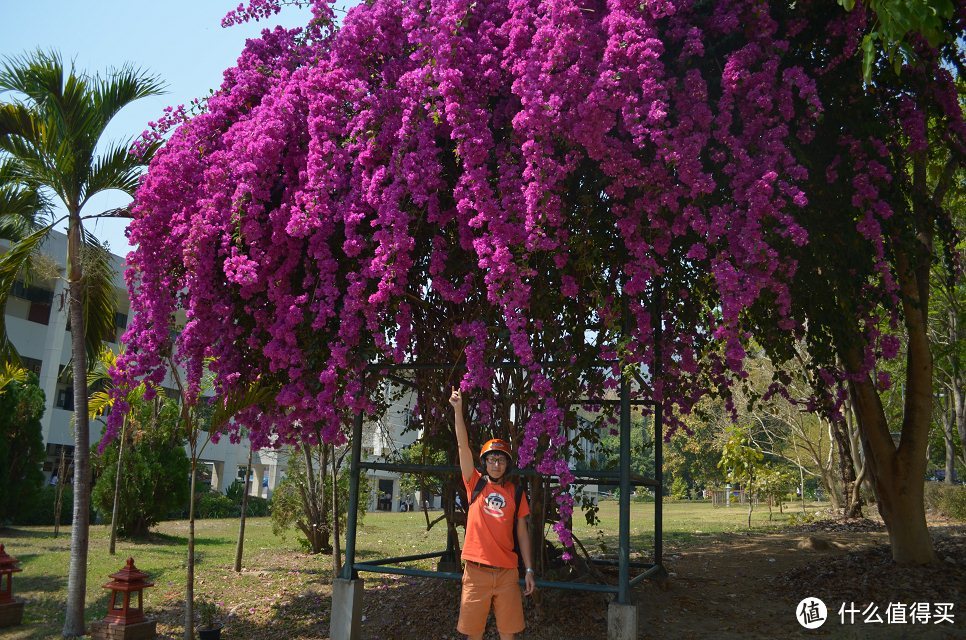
(545, 181)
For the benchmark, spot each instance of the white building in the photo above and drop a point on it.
(37, 324)
(382, 441)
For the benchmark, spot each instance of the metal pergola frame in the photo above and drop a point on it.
(622, 478)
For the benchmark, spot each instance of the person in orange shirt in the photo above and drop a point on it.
(490, 576)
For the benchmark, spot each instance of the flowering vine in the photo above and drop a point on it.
(513, 169)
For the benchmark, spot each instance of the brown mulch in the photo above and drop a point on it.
(870, 576)
(741, 586)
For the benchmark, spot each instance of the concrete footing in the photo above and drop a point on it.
(146, 630)
(621, 621)
(11, 613)
(346, 620)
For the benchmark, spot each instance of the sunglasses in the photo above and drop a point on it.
(497, 460)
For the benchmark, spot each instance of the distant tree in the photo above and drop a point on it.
(52, 122)
(303, 499)
(21, 443)
(694, 457)
(774, 483)
(743, 463)
(425, 483)
(154, 474)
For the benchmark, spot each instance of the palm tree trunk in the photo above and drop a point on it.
(240, 548)
(79, 537)
(117, 490)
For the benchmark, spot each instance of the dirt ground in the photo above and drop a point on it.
(741, 586)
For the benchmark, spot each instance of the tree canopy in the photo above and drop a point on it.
(647, 185)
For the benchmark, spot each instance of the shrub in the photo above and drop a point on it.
(154, 470)
(215, 505)
(679, 488)
(40, 511)
(258, 507)
(21, 448)
(949, 500)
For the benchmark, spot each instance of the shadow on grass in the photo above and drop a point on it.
(16, 532)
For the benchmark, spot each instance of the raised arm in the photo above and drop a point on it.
(462, 439)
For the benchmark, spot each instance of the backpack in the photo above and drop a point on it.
(519, 492)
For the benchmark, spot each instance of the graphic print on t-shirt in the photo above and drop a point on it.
(493, 505)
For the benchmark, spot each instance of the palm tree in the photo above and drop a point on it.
(51, 127)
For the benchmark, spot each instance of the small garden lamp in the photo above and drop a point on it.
(8, 567)
(11, 609)
(127, 584)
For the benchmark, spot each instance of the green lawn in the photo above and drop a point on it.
(280, 582)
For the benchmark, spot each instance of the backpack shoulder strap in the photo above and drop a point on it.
(478, 489)
(518, 495)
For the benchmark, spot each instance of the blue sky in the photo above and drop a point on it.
(181, 41)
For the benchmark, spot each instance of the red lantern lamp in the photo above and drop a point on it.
(11, 609)
(128, 584)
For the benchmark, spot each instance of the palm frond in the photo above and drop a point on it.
(11, 373)
(99, 403)
(41, 159)
(114, 169)
(12, 264)
(100, 373)
(100, 300)
(120, 88)
(21, 205)
(258, 394)
(37, 74)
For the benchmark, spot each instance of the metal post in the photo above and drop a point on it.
(624, 525)
(348, 569)
(658, 430)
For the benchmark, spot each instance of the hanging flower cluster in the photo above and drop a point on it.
(523, 165)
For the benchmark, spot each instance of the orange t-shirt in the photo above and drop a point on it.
(489, 523)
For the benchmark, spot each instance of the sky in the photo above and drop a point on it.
(180, 41)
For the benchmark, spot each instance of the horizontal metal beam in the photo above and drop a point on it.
(613, 561)
(404, 366)
(372, 567)
(400, 559)
(593, 475)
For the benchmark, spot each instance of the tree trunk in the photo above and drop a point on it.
(189, 595)
(897, 472)
(117, 490)
(948, 427)
(79, 537)
(314, 502)
(336, 550)
(240, 547)
(59, 490)
(851, 507)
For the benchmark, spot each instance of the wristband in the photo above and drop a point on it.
(530, 570)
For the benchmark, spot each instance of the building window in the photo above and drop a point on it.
(120, 323)
(54, 452)
(65, 398)
(40, 300)
(31, 364)
(39, 312)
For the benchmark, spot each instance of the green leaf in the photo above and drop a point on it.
(100, 298)
(13, 264)
(868, 57)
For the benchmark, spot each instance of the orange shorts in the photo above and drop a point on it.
(483, 586)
